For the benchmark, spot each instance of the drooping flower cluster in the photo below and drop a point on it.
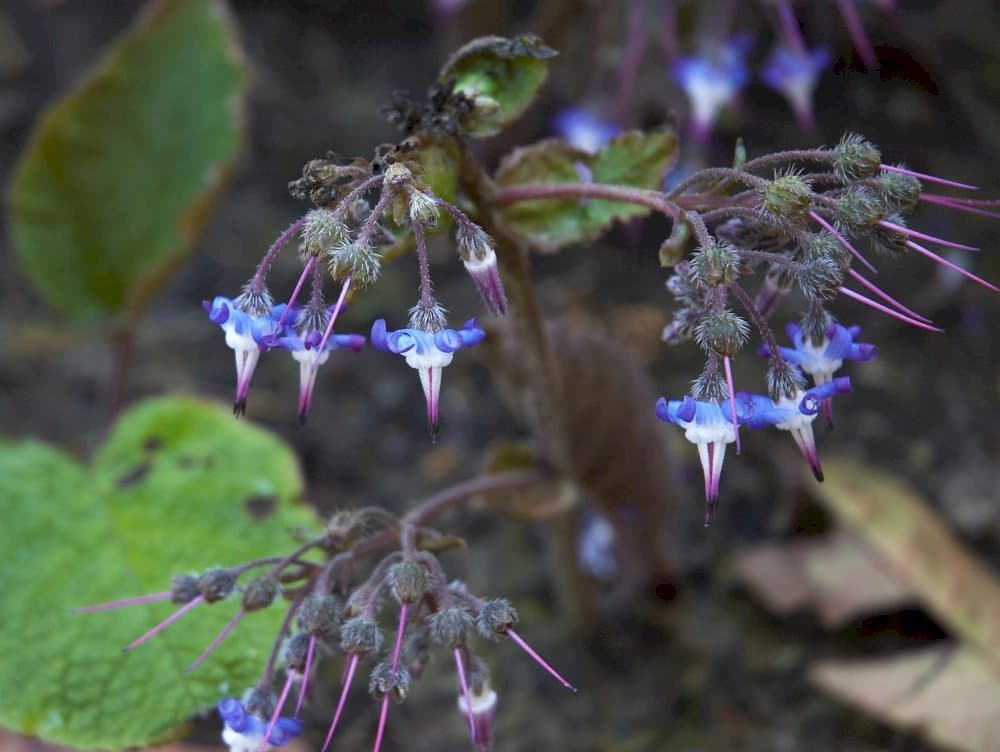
(344, 236)
(326, 616)
(802, 231)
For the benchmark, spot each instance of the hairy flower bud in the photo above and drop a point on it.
(384, 680)
(320, 615)
(359, 260)
(707, 388)
(260, 593)
(495, 617)
(344, 528)
(815, 322)
(428, 317)
(321, 233)
(858, 212)
(296, 651)
(184, 588)
(821, 279)
(259, 702)
(823, 245)
(715, 265)
(216, 583)
(723, 332)
(450, 627)
(423, 210)
(409, 581)
(396, 176)
(899, 192)
(855, 158)
(887, 241)
(788, 198)
(360, 636)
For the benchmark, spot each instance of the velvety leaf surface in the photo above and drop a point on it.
(178, 487)
(120, 174)
(634, 158)
(509, 72)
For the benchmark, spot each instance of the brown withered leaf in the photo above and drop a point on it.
(835, 575)
(947, 694)
(954, 586)
(618, 456)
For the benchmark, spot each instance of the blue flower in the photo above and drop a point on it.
(793, 414)
(706, 425)
(301, 334)
(583, 129)
(795, 76)
(823, 360)
(712, 80)
(245, 334)
(244, 732)
(427, 352)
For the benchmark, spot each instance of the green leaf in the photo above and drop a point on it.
(501, 77)
(634, 159)
(178, 487)
(121, 174)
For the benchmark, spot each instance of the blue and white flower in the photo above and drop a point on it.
(429, 353)
(245, 334)
(824, 359)
(301, 335)
(583, 129)
(244, 732)
(795, 76)
(707, 425)
(794, 414)
(712, 80)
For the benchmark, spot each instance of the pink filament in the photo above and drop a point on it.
(352, 664)
(537, 658)
(928, 178)
(151, 598)
(217, 641)
(842, 240)
(166, 622)
(879, 307)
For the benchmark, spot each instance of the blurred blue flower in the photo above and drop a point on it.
(712, 80)
(583, 129)
(795, 75)
(244, 732)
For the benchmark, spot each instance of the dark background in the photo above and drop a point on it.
(711, 670)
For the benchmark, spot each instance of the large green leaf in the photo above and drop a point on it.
(178, 487)
(501, 76)
(633, 159)
(120, 174)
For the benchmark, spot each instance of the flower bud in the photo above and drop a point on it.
(495, 617)
(260, 593)
(360, 636)
(296, 651)
(409, 581)
(423, 210)
(858, 212)
(788, 198)
(359, 260)
(321, 233)
(184, 588)
(724, 333)
(216, 583)
(855, 158)
(258, 702)
(823, 245)
(450, 627)
(899, 192)
(320, 615)
(396, 176)
(815, 323)
(345, 528)
(821, 279)
(887, 241)
(384, 680)
(715, 265)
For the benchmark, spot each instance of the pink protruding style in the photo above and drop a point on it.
(879, 307)
(352, 664)
(954, 267)
(165, 623)
(230, 626)
(928, 178)
(842, 240)
(137, 600)
(872, 287)
(537, 658)
(924, 236)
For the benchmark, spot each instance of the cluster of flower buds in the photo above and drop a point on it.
(326, 618)
(804, 228)
(343, 237)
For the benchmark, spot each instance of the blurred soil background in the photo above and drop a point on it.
(712, 669)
